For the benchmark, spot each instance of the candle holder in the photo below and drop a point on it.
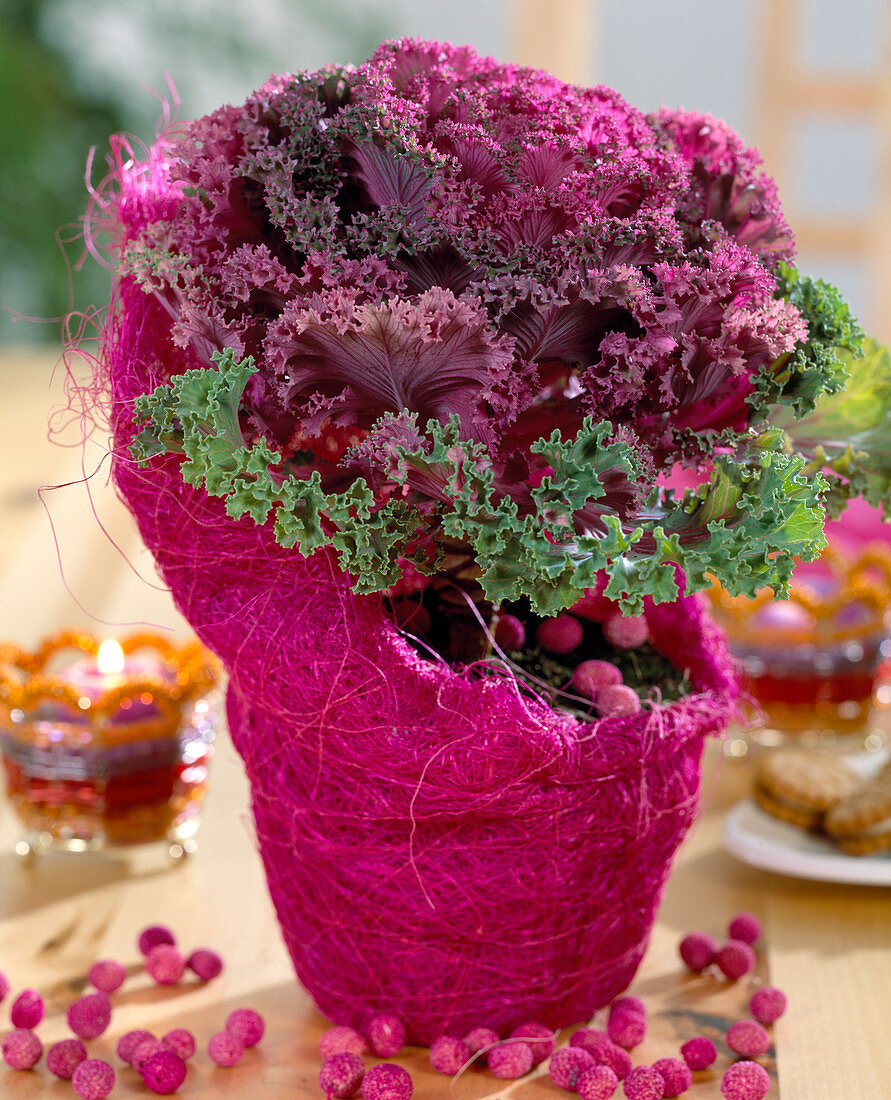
(96, 759)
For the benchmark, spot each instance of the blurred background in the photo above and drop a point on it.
(808, 81)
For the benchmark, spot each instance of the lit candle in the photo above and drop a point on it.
(94, 678)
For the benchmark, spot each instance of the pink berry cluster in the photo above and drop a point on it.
(343, 1072)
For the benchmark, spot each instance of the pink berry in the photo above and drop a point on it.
(107, 975)
(341, 1074)
(205, 964)
(644, 1083)
(21, 1048)
(626, 631)
(181, 1042)
(768, 1004)
(479, 1039)
(152, 936)
(567, 1065)
(735, 959)
(386, 1035)
(699, 1053)
(745, 927)
(164, 1072)
(748, 1039)
(593, 676)
(341, 1040)
(599, 1083)
(617, 701)
(225, 1048)
(540, 1038)
(63, 1058)
(89, 1016)
(511, 1060)
(618, 1060)
(628, 1004)
(93, 1079)
(562, 634)
(247, 1024)
(387, 1082)
(510, 634)
(27, 1009)
(129, 1042)
(166, 964)
(626, 1029)
(448, 1054)
(698, 950)
(745, 1081)
(676, 1075)
(590, 1039)
(148, 1048)
(4, 985)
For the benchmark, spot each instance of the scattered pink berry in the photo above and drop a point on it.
(27, 1009)
(567, 1065)
(128, 1043)
(590, 1039)
(676, 1075)
(166, 964)
(247, 1024)
(618, 1060)
(699, 1053)
(225, 1048)
(164, 1072)
(745, 927)
(181, 1042)
(626, 1029)
(148, 1048)
(541, 1039)
(152, 936)
(735, 959)
(626, 631)
(387, 1081)
(107, 975)
(480, 1038)
(768, 1004)
(341, 1040)
(697, 950)
(21, 1048)
(63, 1058)
(644, 1083)
(205, 964)
(4, 985)
(386, 1035)
(511, 1060)
(593, 676)
(599, 1083)
(448, 1054)
(562, 634)
(341, 1075)
(617, 701)
(745, 1081)
(89, 1016)
(748, 1039)
(93, 1079)
(510, 634)
(628, 1004)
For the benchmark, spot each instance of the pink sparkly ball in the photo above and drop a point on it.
(627, 1028)
(745, 1081)
(735, 959)
(592, 676)
(448, 1054)
(748, 1039)
(205, 964)
(27, 1009)
(225, 1048)
(4, 985)
(386, 1035)
(107, 975)
(562, 634)
(592, 1040)
(181, 1042)
(164, 1072)
(152, 936)
(567, 1065)
(768, 1004)
(745, 927)
(697, 950)
(644, 1083)
(21, 1048)
(699, 1053)
(626, 631)
(511, 1060)
(166, 964)
(540, 1038)
(676, 1075)
(89, 1016)
(341, 1075)
(247, 1024)
(148, 1048)
(599, 1083)
(341, 1040)
(617, 701)
(129, 1043)
(387, 1082)
(63, 1058)
(510, 633)
(93, 1079)
(479, 1039)
(628, 1004)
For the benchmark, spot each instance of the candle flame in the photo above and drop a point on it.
(110, 657)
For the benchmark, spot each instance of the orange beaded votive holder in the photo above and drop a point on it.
(108, 744)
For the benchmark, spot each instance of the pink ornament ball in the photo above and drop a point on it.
(628, 1004)
(387, 1081)
(63, 1058)
(768, 1004)
(745, 1081)
(93, 1079)
(341, 1075)
(386, 1035)
(592, 1040)
(618, 1060)
(448, 1054)
(567, 1065)
(562, 634)
(745, 927)
(617, 701)
(225, 1049)
(541, 1039)
(590, 677)
(205, 964)
(342, 1040)
(21, 1048)
(164, 1072)
(627, 1029)
(748, 1039)
(27, 1009)
(166, 964)
(154, 935)
(107, 975)
(735, 959)
(181, 1042)
(511, 1060)
(89, 1016)
(247, 1024)
(599, 1083)
(4, 985)
(626, 631)
(479, 1039)
(148, 1048)
(676, 1075)
(129, 1042)
(510, 634)
(699, 1053)
(697, 951)
(644, 1083)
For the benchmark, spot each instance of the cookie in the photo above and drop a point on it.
(801, 785)
(860, 823)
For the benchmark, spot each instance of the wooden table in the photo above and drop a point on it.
(828, 946)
